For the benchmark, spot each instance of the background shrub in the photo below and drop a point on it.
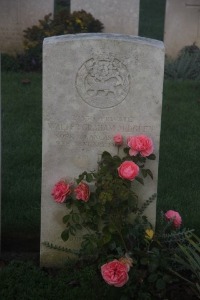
(185, 66)
(9, 63)
(63, 23)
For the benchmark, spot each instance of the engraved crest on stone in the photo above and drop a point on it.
(103, 81)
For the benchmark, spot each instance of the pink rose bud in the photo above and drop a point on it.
(115, 273)
(140, 144)
(127, 261)
(118, 139)
(82, 192)
(60, 191)
(173, 216)
(128, 170)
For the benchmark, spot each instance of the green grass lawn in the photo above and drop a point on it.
(21, 153)
(179, 171)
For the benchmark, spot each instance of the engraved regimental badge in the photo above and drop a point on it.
(103, 81)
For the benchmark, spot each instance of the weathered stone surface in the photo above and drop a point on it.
(116, 15)
(17, 15)
(94, 85)
(182, 26)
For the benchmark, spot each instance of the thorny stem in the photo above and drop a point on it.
(90, 232)
(118, 150)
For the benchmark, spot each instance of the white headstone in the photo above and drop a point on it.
(117, 16)
(80, 117)
(18, 15)
(182, 25)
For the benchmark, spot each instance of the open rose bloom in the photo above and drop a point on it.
(128, 170)
(60, 191)
(115, 273)
(140, 144)
(173, 216)
(82, 192)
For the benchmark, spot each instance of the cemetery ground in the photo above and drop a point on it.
(178, 186)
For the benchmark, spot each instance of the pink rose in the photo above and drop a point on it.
(115, 273)
(82, 192)
(140, 143)
(60, 191)
(128, 170)
(118, 139)
(173, 216)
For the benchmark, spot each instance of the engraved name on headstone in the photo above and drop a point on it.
(94, 85)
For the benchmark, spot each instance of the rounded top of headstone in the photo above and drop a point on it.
(104, 36)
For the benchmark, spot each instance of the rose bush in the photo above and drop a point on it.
(105, 217)
(128, 248)
(105, 210)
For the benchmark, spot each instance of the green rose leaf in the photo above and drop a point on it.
(141, 159)
(153, 267)
(111, 228)
(65, 235)
(126, 150)
(106, 238)
(89, 177)
(160, 284)
(153, 277)
(66, 219)
(100, 209)
(75, 218)
(80, 178)
(151, 157)
(68, 205)
(150, 173)
(106, 155)
(78, 226)
(144, 173)
(144, 261)
(140, 180)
